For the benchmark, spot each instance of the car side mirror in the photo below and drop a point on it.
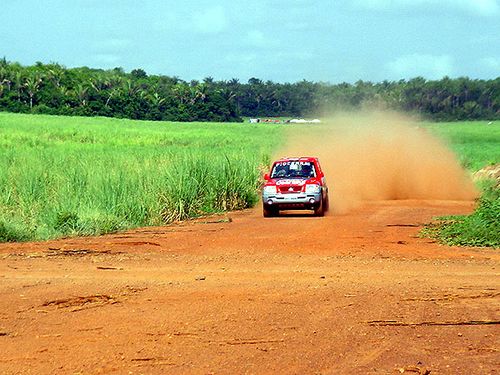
(266, 177)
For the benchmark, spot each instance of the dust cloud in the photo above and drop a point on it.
(380, 156)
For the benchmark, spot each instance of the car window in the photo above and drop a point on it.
(293, 169)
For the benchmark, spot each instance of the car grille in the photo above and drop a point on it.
(290, 189)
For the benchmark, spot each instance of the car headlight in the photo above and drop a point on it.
(269, 189)
(313, 189)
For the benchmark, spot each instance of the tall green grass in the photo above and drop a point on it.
(64, 176)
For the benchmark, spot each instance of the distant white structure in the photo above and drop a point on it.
(278, 121)
(302, 121)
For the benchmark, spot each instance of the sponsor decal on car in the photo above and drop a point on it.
(297, 182)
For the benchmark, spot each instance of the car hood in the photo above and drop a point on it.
(292, 181)
(291, 185)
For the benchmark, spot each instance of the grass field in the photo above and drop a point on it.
(65, 176)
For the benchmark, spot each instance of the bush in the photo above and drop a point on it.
(12, 233)
(44, 110)
(481, 228)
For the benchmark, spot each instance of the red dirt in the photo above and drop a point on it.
(355, 293)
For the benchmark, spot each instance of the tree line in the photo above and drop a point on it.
(54, 89)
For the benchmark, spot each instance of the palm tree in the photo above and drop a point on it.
(99, 84)
(181, 93)
(201, 92)
(208, 80)
(32, 86)
(55, 74)
(112, 93)
(156, 99)
(5, 78)
(18, 83)
(81, 92)
(131, 89)
(228, 95)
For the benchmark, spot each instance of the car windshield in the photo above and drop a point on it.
(293, 169)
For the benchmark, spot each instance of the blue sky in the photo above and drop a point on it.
(284, 41)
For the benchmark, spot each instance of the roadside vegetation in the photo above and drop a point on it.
(476, 144)
(481, 228)
(68, 176)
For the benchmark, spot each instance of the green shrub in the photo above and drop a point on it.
(10, 232)
(481, 228)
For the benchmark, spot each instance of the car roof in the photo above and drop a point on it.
(299, 158)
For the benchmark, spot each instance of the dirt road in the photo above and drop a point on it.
(358, 293)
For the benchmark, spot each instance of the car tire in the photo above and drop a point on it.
(270, 212)
(320, 209)
(326, 205)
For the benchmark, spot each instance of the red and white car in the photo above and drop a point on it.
(295, 184)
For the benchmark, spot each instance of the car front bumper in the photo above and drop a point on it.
(292, 200)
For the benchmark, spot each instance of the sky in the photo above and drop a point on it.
(280, 40)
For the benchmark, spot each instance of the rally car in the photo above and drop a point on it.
(295, 184)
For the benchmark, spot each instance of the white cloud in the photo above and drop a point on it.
(480, 7)
(165, 21)
(277, 57)
(427, 66)
(211, 21)
(257, 38)
(244, 58)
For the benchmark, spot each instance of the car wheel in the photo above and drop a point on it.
(320, 209)
(270, 212)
